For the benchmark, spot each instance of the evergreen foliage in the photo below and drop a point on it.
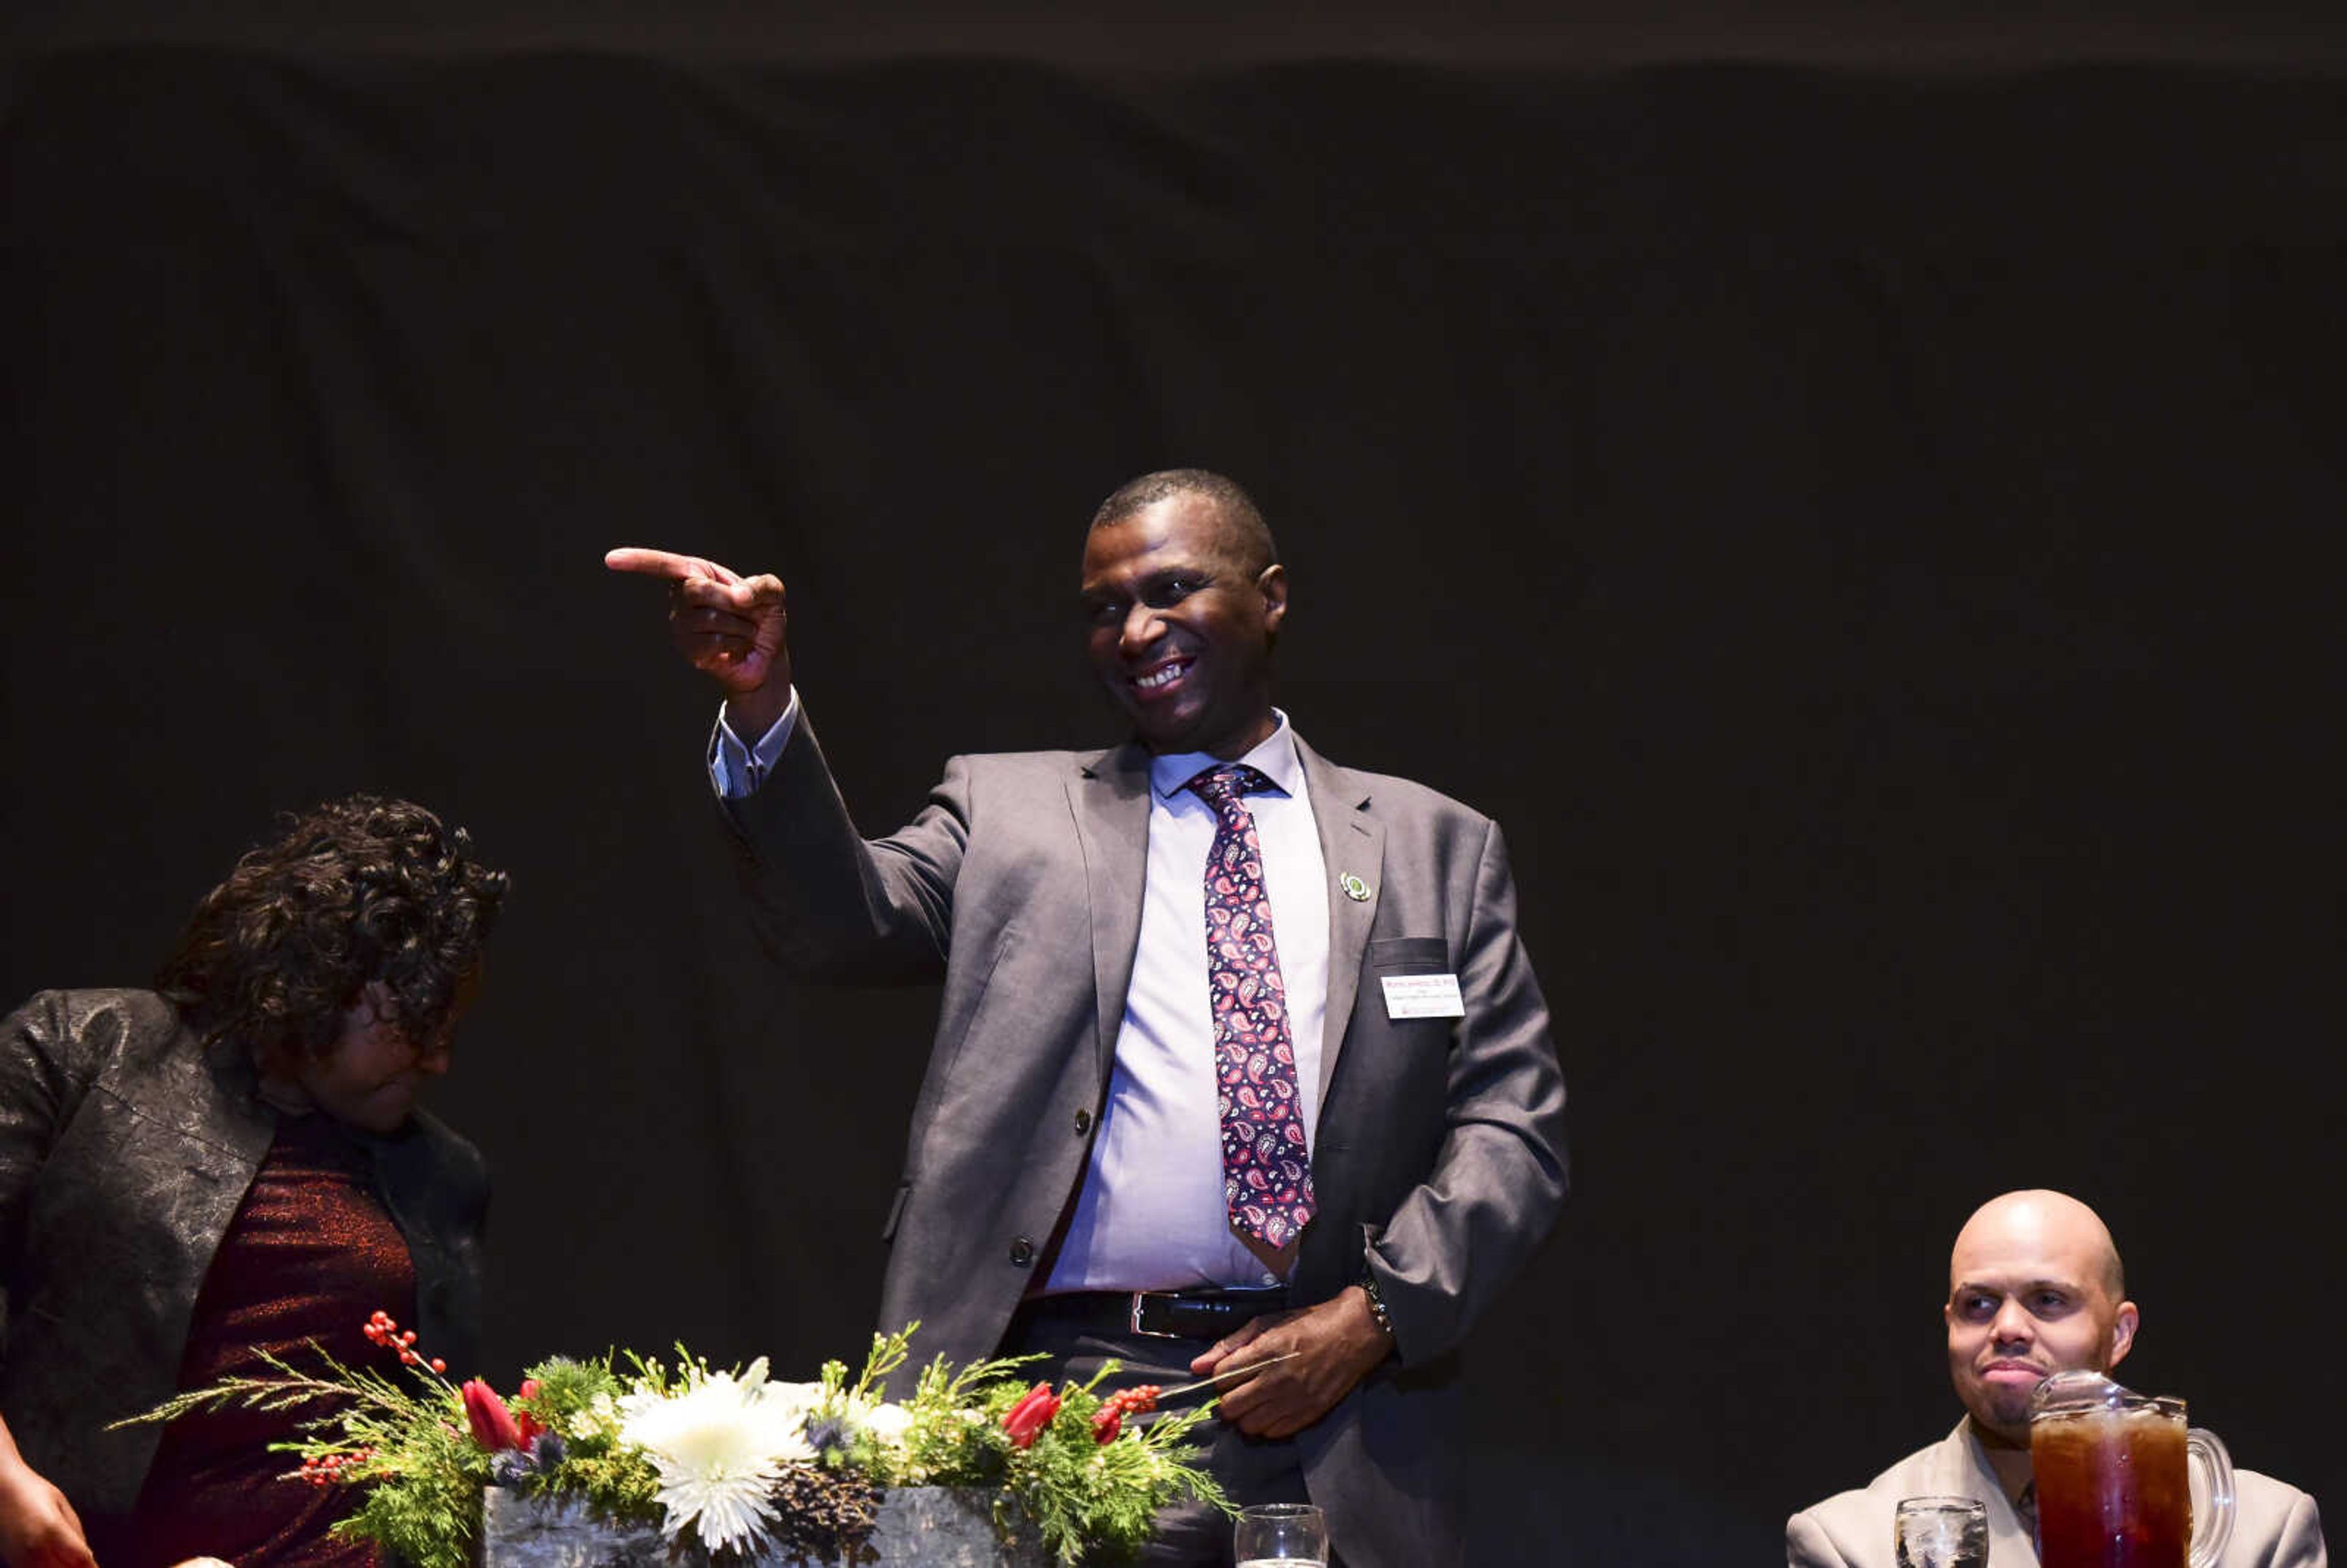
(1086, 1483)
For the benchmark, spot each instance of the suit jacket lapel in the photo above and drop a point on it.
(2009, 1546)
(1111, 802)
(1352, 843)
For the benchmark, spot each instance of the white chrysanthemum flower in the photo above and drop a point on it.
(801, 1400)
(888, 1423)
(718, 1446)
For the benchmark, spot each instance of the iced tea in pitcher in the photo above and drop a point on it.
(2113, 1474)
(2112, 1489)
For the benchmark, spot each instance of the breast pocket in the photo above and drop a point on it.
(1391, 960)
(1410, 956)
(1392, 1085)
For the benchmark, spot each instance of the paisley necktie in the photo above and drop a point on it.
(1267, 1169)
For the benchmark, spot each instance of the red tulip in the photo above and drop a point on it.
(529, 1425)
(1107, 1424)
(493, 1425)
(1027, 1418)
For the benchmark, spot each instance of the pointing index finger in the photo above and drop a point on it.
(667, 564)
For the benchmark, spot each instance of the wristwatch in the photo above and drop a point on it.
(1377, 1303)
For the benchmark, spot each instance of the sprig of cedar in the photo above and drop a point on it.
(1092, 1501)
(616, 1480)
(406, 1443)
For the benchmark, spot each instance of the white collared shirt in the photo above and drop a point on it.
(1151, 1213)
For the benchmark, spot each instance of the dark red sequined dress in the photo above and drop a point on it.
(311, 1253)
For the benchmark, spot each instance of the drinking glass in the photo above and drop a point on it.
(1270, 1535)
(1940, 1533)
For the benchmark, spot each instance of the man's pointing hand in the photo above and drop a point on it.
(732, 627)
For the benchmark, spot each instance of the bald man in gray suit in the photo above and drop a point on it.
(2034, 1287)
(1071, 1184)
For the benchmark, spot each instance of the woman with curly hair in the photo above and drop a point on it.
(231, 1165)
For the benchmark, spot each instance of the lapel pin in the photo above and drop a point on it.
(1355, 888)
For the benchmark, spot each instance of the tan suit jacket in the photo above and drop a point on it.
(2275, 1525)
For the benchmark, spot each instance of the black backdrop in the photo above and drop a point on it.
(1861, 530)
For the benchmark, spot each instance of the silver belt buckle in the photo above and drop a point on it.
(1138, 1298)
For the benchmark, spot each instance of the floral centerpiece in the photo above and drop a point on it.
(729, 1461)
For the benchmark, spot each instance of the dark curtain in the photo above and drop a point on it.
(1861, 534)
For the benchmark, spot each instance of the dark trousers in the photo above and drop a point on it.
(1251, 1470)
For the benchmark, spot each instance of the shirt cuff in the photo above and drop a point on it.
(737, 770)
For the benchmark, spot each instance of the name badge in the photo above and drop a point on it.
(1422, 996)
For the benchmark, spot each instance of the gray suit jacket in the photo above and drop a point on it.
(1439, 1146)
(2274, 1525)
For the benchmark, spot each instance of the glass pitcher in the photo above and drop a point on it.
(2116, 1482)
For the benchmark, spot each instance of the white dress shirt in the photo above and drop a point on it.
(1151, 1215)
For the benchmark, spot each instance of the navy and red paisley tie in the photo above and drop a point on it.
(1266, 1168)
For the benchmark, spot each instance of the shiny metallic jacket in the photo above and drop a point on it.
(125, 1148)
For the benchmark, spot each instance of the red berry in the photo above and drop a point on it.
(438, 1365)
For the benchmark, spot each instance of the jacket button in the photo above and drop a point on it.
(1083, 1122)
(1022, 1252)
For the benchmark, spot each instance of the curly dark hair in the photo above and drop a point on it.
(355, 890)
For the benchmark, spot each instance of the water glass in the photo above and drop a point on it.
(1273, 1533)
(1940, 1533)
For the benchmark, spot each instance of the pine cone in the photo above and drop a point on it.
(825, 1514)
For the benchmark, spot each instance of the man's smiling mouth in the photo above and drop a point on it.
(1163, 676)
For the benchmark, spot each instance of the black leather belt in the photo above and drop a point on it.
(1201, 1314)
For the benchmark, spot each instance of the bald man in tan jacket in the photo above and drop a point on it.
(2034, 1287)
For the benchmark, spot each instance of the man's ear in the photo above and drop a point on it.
(2123, 1327)
(1272, 584)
